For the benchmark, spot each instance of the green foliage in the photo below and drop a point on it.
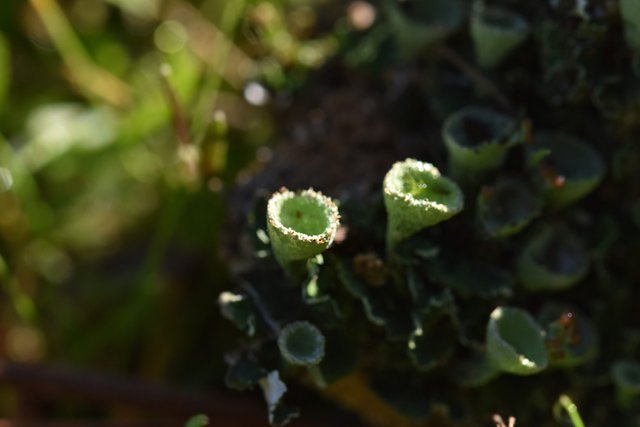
(124, 124)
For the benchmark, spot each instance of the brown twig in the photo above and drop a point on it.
(476, 75)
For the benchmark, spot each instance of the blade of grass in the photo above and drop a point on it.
(87, 76)
(565, 403)
(204, 109)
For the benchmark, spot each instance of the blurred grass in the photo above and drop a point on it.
(121, 125)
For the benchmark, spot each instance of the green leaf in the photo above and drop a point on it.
(301, 343)
(239, 309)
(243, 373)
(273, 390)
(283, 414)
(405, 393)
(340, 359)
(432, 342)
(470, 278)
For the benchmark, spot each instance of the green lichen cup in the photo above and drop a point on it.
(552, 260)
(495, 32)
(571, 337)
(506, 207)
(570, 170)
(477, 140)
(417, 196)
(630, 13)
(300, 225)
(301, 343)
(626, 377)
(515, 342)
(418, 24)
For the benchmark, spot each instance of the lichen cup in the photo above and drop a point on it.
(570, 170)
(505, 208)
(301, 343)
(417, 196)
(626, 377)
(515, 342)
(300, 225)
(552, 260)
(571, 337)
(495, 32)
(630, 13)
(418, 24)
(477, 140)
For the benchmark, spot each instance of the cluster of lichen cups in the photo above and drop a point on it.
(302, 225)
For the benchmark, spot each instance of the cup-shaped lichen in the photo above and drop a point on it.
(416, 196)
(553, 260)
(506, 207)
(496, 32)
(630, 12)
(571, 338)
(300, 225)
(571, 170)
(418, 24)
(626, 377)
(477, 140)
(515, 342)
(301, 343)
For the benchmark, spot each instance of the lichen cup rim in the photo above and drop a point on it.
(480, 11)
(452, 19)
(488, 117)
(592, 165)
(309, 331)
(326, 203)
(619, 371)
(393, 181)
(524, 364)
(517, 191)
